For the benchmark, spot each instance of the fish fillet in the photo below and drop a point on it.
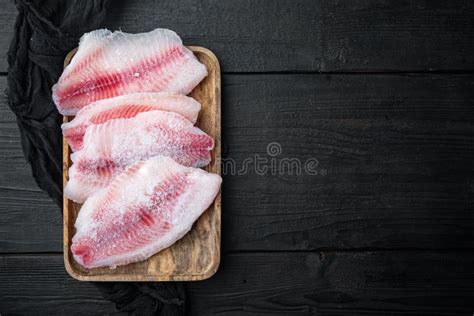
(111, 147)
(110, 64)
(147, 208)
(127, 106)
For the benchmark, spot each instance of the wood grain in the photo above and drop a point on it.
(398, 150)
(338, 283)
(194, 257)
(319, 36)
(307, 35)
(295, 283)
(46, 289)
(29, 220)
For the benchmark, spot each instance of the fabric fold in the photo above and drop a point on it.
(45, 31)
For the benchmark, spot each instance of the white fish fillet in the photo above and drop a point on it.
(146, 209)
(127, 106)
(110, 64)
(111, 147)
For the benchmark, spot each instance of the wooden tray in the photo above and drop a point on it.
(196, 256)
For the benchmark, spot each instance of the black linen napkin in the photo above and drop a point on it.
(45, 31)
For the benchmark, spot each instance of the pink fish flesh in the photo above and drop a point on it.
(111, 147)
(127, 106)
(110, 64)
(147, 208)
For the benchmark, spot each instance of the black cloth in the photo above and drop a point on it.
(45, 31)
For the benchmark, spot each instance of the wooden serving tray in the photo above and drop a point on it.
(196, 256)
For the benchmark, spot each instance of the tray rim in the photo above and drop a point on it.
(213, 267)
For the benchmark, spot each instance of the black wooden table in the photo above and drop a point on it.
(379, 92)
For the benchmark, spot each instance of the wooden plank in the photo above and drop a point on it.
(338, 283)
(392, 282)
(40, 285)
(307, 35)
(397, 150)
(194, 257)
(312, 35)
(29, 220)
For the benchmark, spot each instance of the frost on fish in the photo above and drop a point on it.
(127, 106)
(147, 208)
(110, 64)
(111, 147)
